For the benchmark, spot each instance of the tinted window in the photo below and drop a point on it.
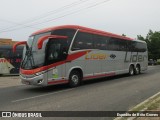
(140, 47)
(83, 41)
(5, 53)
(116, 44)
(137, 46)
(17, 54)
(122, 45)
(65, 32)
(112, 44)
(100, 42)
(92, 41)
(56, 51)
(130, 46)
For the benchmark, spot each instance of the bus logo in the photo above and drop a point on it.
(112, 56)
(96, 56)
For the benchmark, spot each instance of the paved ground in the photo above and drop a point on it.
(107, 94)
(9, 81)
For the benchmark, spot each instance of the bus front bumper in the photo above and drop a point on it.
(32, 80)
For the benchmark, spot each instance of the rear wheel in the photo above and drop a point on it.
(74, 79)
(137, 70)
(131, 70)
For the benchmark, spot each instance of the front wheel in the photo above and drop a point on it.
(74, 79)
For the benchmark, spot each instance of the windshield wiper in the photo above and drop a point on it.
(28, 57)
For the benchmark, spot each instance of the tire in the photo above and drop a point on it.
(74, 79)
(137, 70)
(131, 70)
(14, 71)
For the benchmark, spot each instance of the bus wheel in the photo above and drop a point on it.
(137, 70)
(74, 79)
(131, 70)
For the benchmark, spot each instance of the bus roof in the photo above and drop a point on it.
(140, 41)
(90, 30)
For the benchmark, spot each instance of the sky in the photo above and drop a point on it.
(20, 18)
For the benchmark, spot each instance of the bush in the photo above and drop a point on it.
(158, 62)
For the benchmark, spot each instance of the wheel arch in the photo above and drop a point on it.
(76, 68)
(131, 64)
(138, 64)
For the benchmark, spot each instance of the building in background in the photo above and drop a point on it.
(5, 41)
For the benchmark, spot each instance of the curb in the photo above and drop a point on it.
(140, 104)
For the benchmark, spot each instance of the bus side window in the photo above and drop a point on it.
(65, 32)
(7, 53)
(18, 54)
(100, 42)
(83, 41)
(133, 46)
(111, 44)
(122, 45)
(140, 47)
(1, 54)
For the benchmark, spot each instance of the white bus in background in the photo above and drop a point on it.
(71, 54)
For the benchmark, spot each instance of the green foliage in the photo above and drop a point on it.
(158, 61)
(153, 42)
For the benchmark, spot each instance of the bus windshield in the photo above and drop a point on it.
(51, 52)
(32, 57)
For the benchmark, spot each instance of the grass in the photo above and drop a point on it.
(151, 104)
(154, 105)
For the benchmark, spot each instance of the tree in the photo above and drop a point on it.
(153, 42)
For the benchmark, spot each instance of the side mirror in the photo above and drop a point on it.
(42, 39)
(17, 44)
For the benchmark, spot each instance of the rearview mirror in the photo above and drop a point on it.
(46, 37)
(17, 44)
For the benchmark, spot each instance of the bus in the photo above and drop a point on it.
(9, 61)
(71, 54)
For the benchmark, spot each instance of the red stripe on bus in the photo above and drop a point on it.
(58, 82)
(77, 55)
(86, 29)
(98, 76)
(71, 57)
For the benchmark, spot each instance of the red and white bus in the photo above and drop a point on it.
(9, 61)
(71, 54)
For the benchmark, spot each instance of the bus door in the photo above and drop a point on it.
(56, 54)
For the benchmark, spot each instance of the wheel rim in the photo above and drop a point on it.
(137, 70)
(131, 71)
(75, 79)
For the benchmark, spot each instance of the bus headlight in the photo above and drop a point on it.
(39, 73)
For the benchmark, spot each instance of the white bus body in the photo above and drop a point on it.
(53, 57)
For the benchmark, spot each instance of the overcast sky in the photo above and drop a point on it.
(20, 18)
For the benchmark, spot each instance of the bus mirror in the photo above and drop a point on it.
(42, 39)
(17, 44)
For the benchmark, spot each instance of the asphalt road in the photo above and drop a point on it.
(119, 93)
